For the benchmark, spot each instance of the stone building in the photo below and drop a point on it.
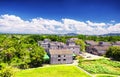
(58, 48)
(97, 48)
(60, 56)
(70, 44)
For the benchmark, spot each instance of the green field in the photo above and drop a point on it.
(105, 75)
(102, 66)
(53, 71)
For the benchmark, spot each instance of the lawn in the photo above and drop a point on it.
(53, 71)
(105, 75)
(101, 66)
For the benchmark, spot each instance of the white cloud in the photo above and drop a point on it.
(14, 24)
(112, 21)
(95, 24)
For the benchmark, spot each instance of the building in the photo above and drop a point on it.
(66, 51)
(70, 44)
(105, 43)
(60, 56)
(91, 43)
(97, 48)
(117, 43)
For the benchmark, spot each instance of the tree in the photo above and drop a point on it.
(114, 52)
(36, 56)
(8, 54)
(81, 43)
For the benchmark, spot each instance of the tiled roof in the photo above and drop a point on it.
(105, 43)
(90, 42)
(101, 48)
(60, 51)
(117, 43)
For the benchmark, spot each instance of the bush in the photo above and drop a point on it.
(23, 66)
(79, 57)
(114, 52)
(7, 72)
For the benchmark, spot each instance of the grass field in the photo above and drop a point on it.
(105, 75)
(53, 71)
(102, 66)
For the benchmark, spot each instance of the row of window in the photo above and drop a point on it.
(60, 59)
(60, 55)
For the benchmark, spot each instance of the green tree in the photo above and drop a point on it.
(81, 43)
(114, 52)
(36, 56)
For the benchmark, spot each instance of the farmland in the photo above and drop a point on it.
(101, 66)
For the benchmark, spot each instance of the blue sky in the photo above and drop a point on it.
(86, 11)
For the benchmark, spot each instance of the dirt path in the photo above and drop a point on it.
(89, 56)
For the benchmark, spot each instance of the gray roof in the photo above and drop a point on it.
(46, 40)
(105, 43)
(91, 42)
(60, 51)
(101, 48)
(117, 43)
(76, 46)
(73, 39)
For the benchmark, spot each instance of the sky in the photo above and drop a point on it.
(91, 17)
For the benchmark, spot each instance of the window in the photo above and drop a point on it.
(64, 59)
(59, 59)
(58, 55)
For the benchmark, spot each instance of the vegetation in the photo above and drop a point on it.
(81, 43)
(53, 71)
(101, 66)
(105, 75)
(20, 51)
(114, 52)
(7, 71)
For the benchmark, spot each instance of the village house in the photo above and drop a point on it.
(54, 48)
(60, 56)
(97, 48)
(70, 44)
(117, 43)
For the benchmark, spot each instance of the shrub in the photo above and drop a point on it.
(23, 66)
(114, 52)
(7, 72)
(79, 57)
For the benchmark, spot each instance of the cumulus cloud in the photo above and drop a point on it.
(14, 24)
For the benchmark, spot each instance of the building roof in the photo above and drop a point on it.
(75, 46)
(91, 42)
(73, 39)
(105, 43)
(60, 51)
(117, 43)
(46, 40)
(101, 48)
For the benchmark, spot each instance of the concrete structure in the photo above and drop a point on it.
(97, 48)
(70, 44)
(60, 56)
(58, 48)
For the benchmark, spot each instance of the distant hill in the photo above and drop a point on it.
(71, 34)
(112, 34)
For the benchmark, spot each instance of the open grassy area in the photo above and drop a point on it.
(53, 71)
(105, 75)
(101, 66)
